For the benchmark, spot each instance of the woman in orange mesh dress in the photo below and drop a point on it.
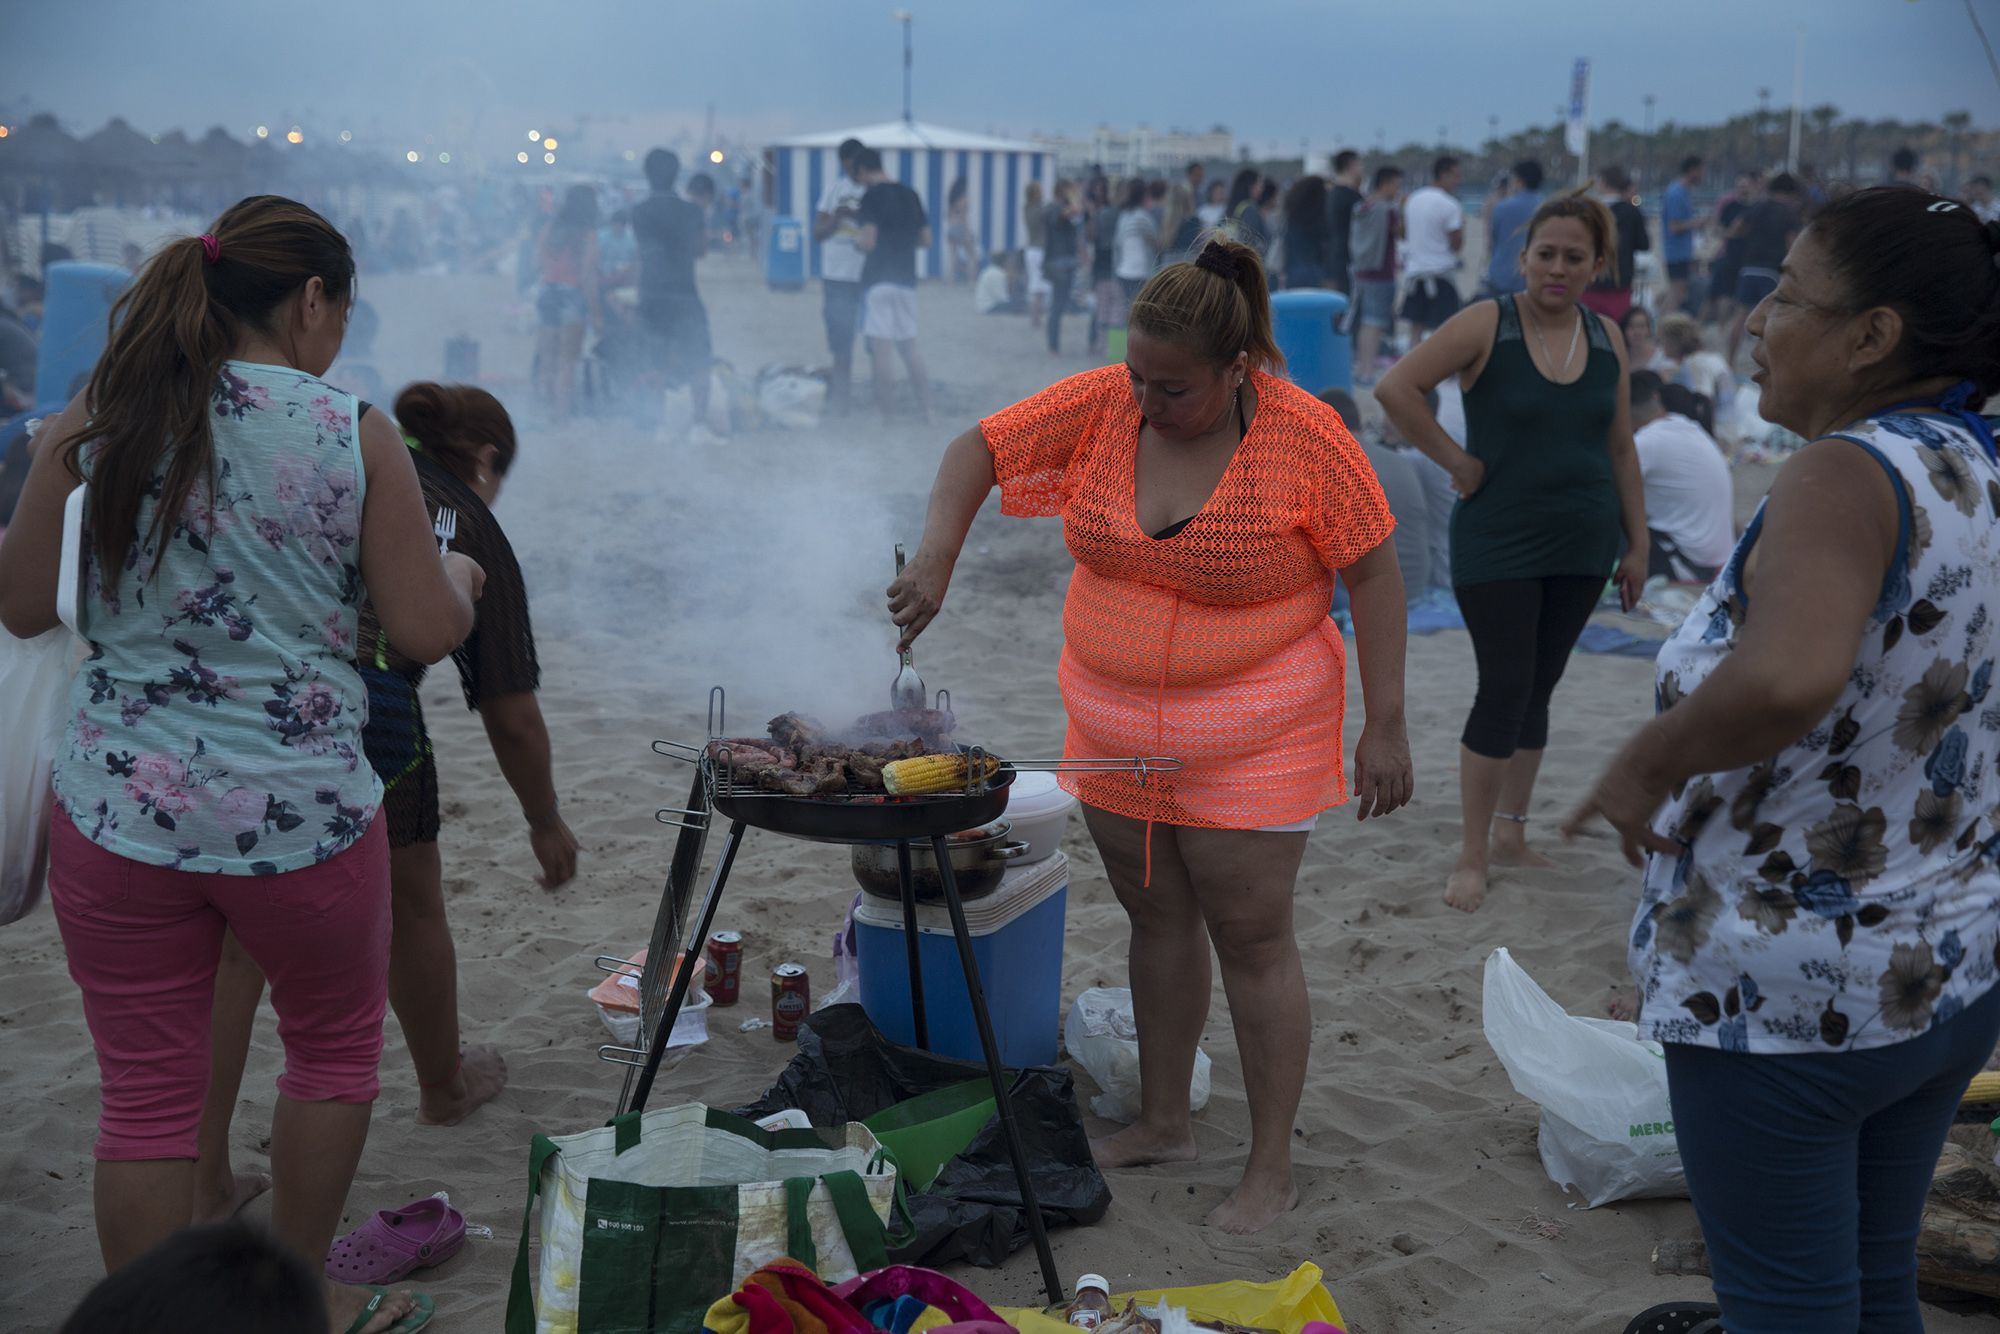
(1209, 505)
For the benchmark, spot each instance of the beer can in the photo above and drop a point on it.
(791, 997)
(725, 967)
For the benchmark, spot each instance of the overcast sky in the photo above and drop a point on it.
(1274, 71)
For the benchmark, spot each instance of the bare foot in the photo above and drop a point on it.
(214, 1204)
(344, 1304)
(1516, 852)
(1466, 889)
(482, 1072)
(1141, 1146)
(1255, 1205)
(1621, 1006)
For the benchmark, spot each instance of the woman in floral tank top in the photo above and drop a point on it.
(238, 514)
(1818, 800)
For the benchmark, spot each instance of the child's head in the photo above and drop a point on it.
(219, 1276)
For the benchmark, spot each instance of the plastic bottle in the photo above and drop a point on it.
(1092, 1306)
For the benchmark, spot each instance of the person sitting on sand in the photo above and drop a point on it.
(1816, 933)
(210, 778)
(1548, 473)
(1396, 471)
(463, 445)
(1210, 505)
(1690, 501)
(220, 1276)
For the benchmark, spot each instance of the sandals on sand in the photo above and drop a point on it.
(395, 1243)
(409, 1324)
(1678, 1318)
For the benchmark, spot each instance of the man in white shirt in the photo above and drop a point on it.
(835, 227)
(1434, 233)
(1690, 502)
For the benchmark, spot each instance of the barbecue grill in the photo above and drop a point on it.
(841, 818)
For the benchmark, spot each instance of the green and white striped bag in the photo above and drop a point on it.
(648, 1221)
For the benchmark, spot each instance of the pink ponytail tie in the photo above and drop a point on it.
(211, 249)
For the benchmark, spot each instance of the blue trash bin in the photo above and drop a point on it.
(785, 255)
(76, 306)
(1318, 352)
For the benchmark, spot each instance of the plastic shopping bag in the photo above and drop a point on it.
(1101, 1035)
(1607, 1125)
(35, 678)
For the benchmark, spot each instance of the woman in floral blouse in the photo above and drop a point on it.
(1819, 932)
(240, 510)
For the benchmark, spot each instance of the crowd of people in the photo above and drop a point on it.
(246, 769)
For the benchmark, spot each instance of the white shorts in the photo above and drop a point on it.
(1038, 285)
(1304, 826)
(889, 310)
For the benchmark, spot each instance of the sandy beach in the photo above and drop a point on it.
(655, 573)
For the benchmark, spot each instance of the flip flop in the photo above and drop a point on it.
(1677, 1318)
(409, 1324)
(395, 1243)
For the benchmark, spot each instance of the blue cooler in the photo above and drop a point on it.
(1017, 938)
(785, 255)
(1318, 353)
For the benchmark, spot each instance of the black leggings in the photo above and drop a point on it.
(1523, 631)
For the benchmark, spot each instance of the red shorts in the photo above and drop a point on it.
(143, 944)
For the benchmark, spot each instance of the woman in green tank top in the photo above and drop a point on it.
(1547, 480)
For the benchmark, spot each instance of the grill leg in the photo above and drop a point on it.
(684, 976)
(1037, 1229)
(911, 945)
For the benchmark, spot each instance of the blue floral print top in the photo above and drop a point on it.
(1843, 894)
(216, 724)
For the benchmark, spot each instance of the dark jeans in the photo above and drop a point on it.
(1523, 631)
(1809, 1172)
(1062, 277)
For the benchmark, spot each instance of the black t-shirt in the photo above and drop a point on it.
(498, 657)
(1062, 230)
(1767, 233)
(897, 215)
(1632, 238)
(1732, 246)
(1340, 202)
(671, 234)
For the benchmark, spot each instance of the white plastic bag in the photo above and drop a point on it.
(35, 677)
(1607, 1126)
(1102, 1036)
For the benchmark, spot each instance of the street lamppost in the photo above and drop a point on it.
(905, 17)
(1650, 99)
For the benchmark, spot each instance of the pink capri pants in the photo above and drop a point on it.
(143, 944)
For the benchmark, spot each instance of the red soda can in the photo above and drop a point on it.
(725, 967)
(791, 997)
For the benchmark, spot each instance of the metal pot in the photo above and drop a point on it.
(978, 859)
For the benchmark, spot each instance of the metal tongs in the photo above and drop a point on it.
(907, 691)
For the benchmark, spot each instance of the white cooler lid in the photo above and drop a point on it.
(1033, 794)
(1021, 888)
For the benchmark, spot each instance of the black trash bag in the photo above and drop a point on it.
(847, 1071)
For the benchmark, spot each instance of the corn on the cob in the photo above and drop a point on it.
(932, 773)
(1984, 1088)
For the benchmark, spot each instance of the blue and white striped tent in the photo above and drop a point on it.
(928, 159)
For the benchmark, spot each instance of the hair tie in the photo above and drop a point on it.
(211, 249)
(1215, 257)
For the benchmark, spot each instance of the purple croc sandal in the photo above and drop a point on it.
(395, 1243)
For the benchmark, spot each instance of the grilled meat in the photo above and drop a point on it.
(802, 759)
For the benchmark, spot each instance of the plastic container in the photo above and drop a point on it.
(1318, 354)
(785, 255)
(1092, 1305)
(1017, 942)
(1039, 810)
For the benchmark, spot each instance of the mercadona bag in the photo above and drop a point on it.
(649, 1220)
(35, 677)
(1607, 1124)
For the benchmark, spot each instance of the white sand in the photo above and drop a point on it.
(759, 567)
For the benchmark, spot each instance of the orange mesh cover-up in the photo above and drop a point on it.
(1214, 645)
